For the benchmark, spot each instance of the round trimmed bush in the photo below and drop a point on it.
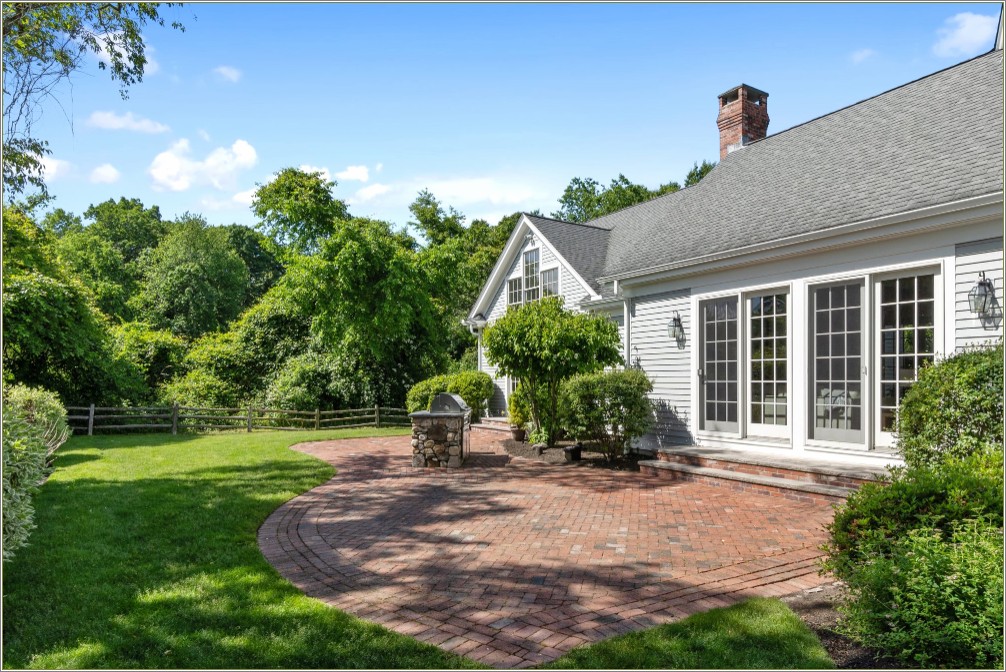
(954, 409)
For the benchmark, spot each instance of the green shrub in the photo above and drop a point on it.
(421, 394)
(954, 409)
(155, 353)
(317, 381)
(608, 409)
(874, 517)
(475, 387)
(518, 407)
(200, 387)
(934, 601)
(34, 426)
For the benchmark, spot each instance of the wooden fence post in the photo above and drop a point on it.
(249, 418)
(90, 421)
(377, 416)
(317, 418)
(174, 418)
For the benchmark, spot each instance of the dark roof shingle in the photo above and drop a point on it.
(936, 140)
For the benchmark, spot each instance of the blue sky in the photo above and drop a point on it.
(493, 107)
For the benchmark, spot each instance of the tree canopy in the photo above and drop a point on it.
(298, 209)
(44, 44)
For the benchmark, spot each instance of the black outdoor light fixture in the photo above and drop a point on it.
(675, 330)
(980, 296)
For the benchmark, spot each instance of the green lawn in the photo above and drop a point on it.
(145, 556)
(757, 634)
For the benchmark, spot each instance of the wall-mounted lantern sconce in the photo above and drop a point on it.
(675, 330)
(980, 296)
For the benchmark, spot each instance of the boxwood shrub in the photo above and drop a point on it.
(954, 409)
(475, 387)
(608, 409)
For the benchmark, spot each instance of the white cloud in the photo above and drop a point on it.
(467, 190)
(53, 169)
(861, 55)
(308, 168)
(203, 135)
(355, 173)
(371, 192)
(110, 121)
(174, 170)
(244, 197)
(106, 173)
(379, 167)
(965, 34)
(227, 73)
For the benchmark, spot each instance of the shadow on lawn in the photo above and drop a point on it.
(166, 572)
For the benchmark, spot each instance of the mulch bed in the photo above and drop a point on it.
(816, 606)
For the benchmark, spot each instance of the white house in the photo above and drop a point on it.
(786, 302)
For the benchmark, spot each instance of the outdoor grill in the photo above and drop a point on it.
(440, 436)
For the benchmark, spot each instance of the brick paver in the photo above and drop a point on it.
(514, 562)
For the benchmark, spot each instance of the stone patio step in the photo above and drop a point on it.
(492, 425)
(774, 486)
(790, 467)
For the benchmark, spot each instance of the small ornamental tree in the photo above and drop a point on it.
(543, 344)
(608, 408)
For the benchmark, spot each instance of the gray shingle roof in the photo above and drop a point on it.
(935, 140)
(583, 245)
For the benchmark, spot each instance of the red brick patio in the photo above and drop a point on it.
(514, 562)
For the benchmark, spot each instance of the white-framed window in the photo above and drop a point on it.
(513, 292)
(550, 282)
(906, 332)
(531, 262)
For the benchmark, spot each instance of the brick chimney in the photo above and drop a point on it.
(743, 118)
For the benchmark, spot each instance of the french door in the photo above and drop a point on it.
(836, 357)
(719, 369)
(768, 365)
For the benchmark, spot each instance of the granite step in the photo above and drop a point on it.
(802, 491)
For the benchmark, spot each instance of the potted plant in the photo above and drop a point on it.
(518, 412)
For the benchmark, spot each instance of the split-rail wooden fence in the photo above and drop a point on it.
(96, 419)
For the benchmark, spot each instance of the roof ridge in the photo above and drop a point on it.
(563, 221)
(876, 95)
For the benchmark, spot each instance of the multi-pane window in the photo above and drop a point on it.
(769, 379)
(720, 371)
(550, 282)
(907, 338)
(531, 276)
(513, 292)
(837, 362)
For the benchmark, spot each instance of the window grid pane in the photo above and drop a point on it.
(513, 292)
(837, 378)
(531, 275)
(768, 359)
(721, 369)
(907, 339)
(550, 282)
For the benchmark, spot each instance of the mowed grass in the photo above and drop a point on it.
(145, 556)
(757, 634)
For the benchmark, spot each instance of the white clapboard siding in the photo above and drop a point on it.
(972, 258)
(668, 364)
